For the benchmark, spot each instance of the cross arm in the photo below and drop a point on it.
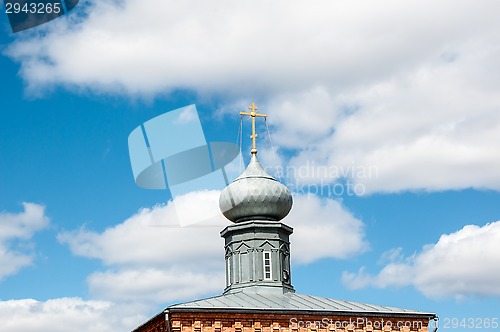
(253, 114)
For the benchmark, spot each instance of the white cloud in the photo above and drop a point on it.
(323, 228)
(16, 229)
(396, 86)
(462, 264)
(153, 237)
(154, 285)
(67, 315)
(232, 46)
(432, 131)
(152, 260)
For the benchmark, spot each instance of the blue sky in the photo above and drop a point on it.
(407, 90)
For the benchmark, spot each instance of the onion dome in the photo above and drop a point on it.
(255, 195)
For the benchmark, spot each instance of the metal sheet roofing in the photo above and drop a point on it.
(246, 301)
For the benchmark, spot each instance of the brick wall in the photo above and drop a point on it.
(155, 324)
(272, 322)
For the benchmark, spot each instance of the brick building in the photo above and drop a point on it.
(259, 295)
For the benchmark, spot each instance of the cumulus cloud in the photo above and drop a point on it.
(16, 229)
(461, 264)
(154, 236)
(151, 259)
(395, 86)
(323, 228)
(67, 315)
(428, 129)
(220, 46)
(155, 285)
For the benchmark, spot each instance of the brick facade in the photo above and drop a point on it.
(280, 322)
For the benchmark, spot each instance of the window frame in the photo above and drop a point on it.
(267, 262)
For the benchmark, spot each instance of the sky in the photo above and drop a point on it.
(384, 119)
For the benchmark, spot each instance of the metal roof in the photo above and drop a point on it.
(255, 195)
(290, 302)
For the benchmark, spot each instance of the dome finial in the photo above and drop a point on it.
(253, 114)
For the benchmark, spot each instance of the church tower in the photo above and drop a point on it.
(257, 246)
(259, 296)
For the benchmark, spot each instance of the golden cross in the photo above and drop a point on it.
(253, 114)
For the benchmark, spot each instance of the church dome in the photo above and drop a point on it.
(255, 195)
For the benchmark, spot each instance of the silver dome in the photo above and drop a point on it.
(255, 195)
